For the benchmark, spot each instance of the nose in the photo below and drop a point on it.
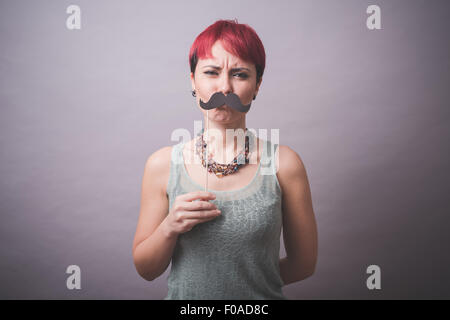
(225, 85)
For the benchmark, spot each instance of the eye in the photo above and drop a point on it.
(242, 75)
(210, 72)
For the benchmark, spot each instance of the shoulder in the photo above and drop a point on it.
(157, 168)
(159, 159)
(290, 165)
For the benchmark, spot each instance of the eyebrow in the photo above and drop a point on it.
(234, 69)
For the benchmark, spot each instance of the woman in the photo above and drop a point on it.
(224, 242)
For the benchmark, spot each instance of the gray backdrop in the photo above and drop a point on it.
(81, 110)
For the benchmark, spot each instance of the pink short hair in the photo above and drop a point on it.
(238, 39)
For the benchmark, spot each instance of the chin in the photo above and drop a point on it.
(223, 119)
(222, 113)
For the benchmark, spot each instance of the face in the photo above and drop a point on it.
(224, 73)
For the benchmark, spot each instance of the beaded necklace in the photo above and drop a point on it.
(221, 170)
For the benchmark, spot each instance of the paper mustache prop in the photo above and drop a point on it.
(219, 99)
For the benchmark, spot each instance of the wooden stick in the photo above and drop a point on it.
(207, 144)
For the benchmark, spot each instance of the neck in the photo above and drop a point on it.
(223, 145)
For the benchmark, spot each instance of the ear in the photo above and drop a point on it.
(257, 86)
(192, 81)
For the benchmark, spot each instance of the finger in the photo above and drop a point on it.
(198, 205)
(206, 214)
(203, 195)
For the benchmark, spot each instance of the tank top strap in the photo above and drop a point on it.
(176, 161)
(269, 161)
(269, 165)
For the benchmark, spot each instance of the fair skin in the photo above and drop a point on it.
(158, 229)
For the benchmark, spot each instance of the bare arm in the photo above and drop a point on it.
(299, 225)
(158, 228)
(153, 244)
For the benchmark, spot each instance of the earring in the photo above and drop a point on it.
(193, 93)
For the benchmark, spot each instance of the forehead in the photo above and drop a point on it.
(220, 55)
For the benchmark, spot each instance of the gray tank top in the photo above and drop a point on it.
(236, 255)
